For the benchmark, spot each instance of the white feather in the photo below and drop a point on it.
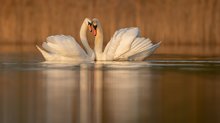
(126, 41)
(143, 54)
(61, 47)
(120, 42)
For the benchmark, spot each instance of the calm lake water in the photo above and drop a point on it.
(166, 89)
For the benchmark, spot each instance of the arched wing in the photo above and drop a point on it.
(114, 42)
(121, 42)
(63, 45)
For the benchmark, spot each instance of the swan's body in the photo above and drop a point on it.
(126, 44)
(65, 48)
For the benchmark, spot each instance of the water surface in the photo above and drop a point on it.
(160, 89)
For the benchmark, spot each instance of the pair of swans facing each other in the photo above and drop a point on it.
(125, 45)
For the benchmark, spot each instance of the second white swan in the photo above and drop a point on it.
(126, 44)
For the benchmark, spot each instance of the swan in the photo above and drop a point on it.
(126, 44)
(65, 48)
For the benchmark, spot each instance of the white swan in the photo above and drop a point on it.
(126, 44)
(65, 48)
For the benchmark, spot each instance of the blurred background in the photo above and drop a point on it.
(184, 90)
(186, 27)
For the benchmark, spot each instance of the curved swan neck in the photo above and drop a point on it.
(99, 43)
(84, 40)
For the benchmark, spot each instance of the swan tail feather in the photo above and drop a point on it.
(47, 56)
(142, 55)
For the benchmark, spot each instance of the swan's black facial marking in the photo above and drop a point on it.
(90, 23)
(95, 27)
(90, 26)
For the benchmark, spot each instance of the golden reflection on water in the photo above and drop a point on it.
(111, 92)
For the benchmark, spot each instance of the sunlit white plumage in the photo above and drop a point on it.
(126, 44)
(66, 48)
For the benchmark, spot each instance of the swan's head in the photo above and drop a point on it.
(95, 24)
(89, 23)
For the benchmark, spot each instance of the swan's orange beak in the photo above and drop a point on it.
(94, 31)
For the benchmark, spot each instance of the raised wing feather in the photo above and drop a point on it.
(120, 43)
(125, 42)
(114, 43)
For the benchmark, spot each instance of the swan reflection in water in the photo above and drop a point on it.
(94, 95)
(112, 92)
